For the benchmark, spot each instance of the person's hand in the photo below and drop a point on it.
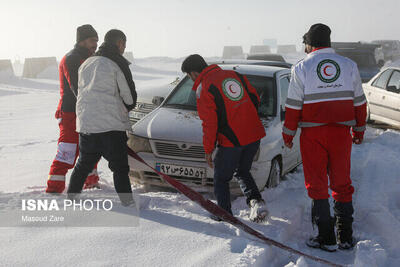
(289, 145)
(358, 137)
(287, 140)
(209, 160)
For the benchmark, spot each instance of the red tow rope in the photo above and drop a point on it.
(224, 215)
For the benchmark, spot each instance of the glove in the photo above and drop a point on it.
(358, 137)
(288, 140)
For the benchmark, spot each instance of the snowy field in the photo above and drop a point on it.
(173, 231)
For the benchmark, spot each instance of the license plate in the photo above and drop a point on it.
(181, 170)
(138, 115)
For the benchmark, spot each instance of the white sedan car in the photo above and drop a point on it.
(170, 137)
(383, 95)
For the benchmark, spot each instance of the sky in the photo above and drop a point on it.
(177, 28)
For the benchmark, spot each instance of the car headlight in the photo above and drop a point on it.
(139, 144)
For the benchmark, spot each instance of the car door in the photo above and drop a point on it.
(392, 97)
(377, 94)
(290, 156)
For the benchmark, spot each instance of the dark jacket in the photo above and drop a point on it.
(68, 71)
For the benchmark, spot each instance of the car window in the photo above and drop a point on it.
(381, 81)
(284, 84)
(394, 82)
(184, 97)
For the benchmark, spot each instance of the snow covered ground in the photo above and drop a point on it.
(173, 231)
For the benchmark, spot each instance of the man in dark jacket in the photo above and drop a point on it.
(227, 104)
(67, 151)
(106, 94)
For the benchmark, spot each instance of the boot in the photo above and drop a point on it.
(326, 239)
(55, 187)
(258, 210)
(344, 220)
(92, 181)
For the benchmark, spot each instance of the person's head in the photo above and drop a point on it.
(193, 65)
(319, 35)
(116, 37)
(86, 36)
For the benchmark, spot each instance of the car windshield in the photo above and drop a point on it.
(183, 97)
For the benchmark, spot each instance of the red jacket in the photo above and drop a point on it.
(68, 71)
(227, 104)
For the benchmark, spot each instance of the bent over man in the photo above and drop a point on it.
(326, 99)
(67, 151)
(227, 104)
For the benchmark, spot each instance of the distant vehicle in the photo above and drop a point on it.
(268, 57)
(391, 48)
(259, 49)
(233, 52)
(383, 96)
(170, 137)
(363, 54)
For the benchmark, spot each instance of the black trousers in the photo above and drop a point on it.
(111, 146)
(235, 159)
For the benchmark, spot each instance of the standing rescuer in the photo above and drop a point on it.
(67, 150)
(227, 104)
(326, 99)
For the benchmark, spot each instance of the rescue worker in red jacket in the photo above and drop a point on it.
(227, 104)
(68, 150)
(326, 99)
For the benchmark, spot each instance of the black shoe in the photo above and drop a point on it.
(347, 245)
(317, 242)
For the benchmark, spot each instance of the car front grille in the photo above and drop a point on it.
(181, 151)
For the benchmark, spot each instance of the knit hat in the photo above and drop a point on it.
(319, 35)
(84, 32)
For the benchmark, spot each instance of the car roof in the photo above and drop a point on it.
(252, 62)
(259, 70)
(390, 67)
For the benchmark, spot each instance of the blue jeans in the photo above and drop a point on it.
(228, 161)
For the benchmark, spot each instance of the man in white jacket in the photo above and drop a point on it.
(106, 93)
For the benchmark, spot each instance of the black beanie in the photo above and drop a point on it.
(84, 32)
(319, 35)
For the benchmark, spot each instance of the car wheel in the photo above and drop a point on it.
(275, 173)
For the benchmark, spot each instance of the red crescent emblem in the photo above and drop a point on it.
(230, 89)
(326, 67)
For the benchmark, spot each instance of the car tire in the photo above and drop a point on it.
(275, 173)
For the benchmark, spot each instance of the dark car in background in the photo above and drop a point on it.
(364, 54)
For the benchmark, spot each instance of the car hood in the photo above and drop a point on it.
(171, 125)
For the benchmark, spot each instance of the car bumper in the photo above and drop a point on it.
(142, 174)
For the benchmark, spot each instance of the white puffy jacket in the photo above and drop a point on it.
(102, 92)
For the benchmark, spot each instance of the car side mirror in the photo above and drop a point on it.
(283, 113)
(157, 100)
